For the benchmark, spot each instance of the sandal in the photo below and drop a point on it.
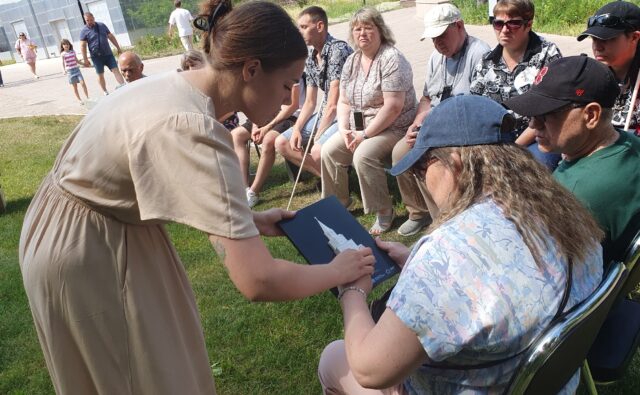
(383, 223)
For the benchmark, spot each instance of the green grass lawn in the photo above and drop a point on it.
(254, 348)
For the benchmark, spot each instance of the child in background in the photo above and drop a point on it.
(70, 66)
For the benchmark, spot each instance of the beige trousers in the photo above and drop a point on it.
(414, 193)
(336, 376)
(369, 161)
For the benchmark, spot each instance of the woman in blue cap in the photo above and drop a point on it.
(494, 269)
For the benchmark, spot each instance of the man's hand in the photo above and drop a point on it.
(296, 140)
(257, 134)
(266, 221)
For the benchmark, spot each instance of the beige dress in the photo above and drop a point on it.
(112, 305)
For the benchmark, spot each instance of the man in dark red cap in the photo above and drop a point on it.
(615, 31)
(570, 105)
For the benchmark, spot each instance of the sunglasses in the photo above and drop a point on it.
(571, 106)
(608, 20)
(207, 22)
(512, 24)
(419, 170)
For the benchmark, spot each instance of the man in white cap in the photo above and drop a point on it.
(448, 74)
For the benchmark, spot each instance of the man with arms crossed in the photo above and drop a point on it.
(570, 105)
(448, 73)
(95, 35)
(323, 69)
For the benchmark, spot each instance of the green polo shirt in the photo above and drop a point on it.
(608, 183)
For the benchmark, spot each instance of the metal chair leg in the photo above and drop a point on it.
(585, 375)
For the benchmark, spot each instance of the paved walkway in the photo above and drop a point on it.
(51, 94)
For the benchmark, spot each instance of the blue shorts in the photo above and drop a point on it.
(74, 75)
(306, 131)
(106, 60)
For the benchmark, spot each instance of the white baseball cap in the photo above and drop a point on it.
(438, 18)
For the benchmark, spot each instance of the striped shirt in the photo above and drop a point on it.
(70, 60)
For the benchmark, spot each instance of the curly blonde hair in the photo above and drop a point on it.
(525, 191)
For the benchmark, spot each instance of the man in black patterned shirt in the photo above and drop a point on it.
(323, 69)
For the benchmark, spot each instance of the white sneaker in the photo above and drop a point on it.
(252, 197)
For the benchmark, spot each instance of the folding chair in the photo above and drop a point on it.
(561, 349)
(618, 340)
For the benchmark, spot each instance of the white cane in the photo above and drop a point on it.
(634, 96)
(304, 156)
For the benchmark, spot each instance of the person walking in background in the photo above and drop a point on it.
(71, 68)
(181, 19)
(113, 306)
(615, 33)
(96, 36)
(27, 49)
(130, 66)
(376, 88)
(448, 74)
(511, 67)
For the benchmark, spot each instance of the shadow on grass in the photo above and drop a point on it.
(18, 205)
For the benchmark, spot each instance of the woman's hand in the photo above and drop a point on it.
(412, 134)
(353, 264)
(396, 251)
(365, 283)
(266, 221)
(347, 136)
(358, 137)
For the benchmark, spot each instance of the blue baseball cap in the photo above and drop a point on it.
(457, 122)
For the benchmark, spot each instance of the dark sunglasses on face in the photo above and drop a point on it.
(608, 20)
(512, 24)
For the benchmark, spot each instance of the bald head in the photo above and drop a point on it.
(130, 66)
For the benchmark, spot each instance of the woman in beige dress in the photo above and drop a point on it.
(113, 308)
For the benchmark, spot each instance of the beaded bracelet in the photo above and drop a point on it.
(352, 288)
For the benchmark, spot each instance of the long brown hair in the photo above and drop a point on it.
(254, 30)
(525, 191)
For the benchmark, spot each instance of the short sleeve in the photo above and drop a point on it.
(338, 55)
(396, 73)
(172, 19)
(427, 299)
(17, 45)
(185, 170)
(346, 72)
(477, 80)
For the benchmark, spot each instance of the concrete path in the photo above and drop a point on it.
(51, 94)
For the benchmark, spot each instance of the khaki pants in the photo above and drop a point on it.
(369, 162)
(414, 193)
